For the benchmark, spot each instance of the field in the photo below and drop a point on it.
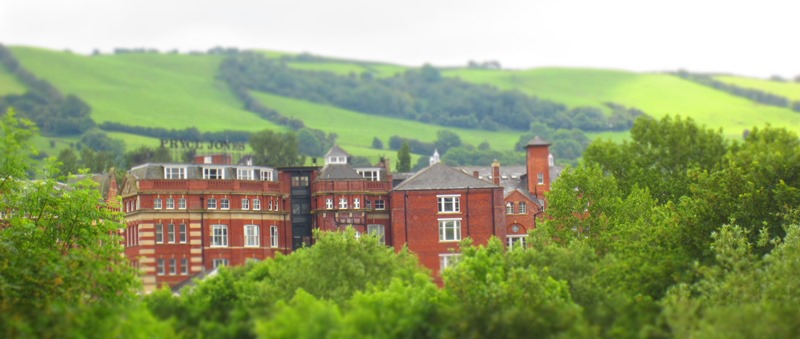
(9, 84)
(656, 94)
(158, 90)
(789, 90)
(356, 130)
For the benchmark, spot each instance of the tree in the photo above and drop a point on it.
(446, 140)
(377, 143)
(69, 161)
(64, 273)
(404, 158)
(275, 149)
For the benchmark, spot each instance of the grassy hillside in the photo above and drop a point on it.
(159, 90)
(356, 130)
(656, 94)
(9, 84)
(789, 90)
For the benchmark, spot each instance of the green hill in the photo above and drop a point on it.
(656, 94)
(790, 90)
(176, 91)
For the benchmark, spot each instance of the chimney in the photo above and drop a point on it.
(476, 174)
(496, 172)
(112, 187)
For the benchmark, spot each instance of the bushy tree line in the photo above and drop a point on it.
(53, 113)
(418, 94)
(748, 93)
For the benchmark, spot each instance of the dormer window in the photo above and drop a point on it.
(337, 159)
(174, 172)
(244, 174)
(213, 173)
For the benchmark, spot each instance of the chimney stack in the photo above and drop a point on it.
(496, 172)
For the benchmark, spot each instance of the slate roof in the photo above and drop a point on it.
(338, 172)
(440, 176)
(538, 141)
(336, 151)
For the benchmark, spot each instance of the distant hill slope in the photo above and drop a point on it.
(655, 94)
(9, 84)
(789, 90)
(158, 90)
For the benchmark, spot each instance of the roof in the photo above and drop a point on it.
(538, 141)
(441, 176)
(336, 151)
(338, 172)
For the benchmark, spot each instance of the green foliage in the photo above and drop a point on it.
(275, 149)
(404, 159)
(377, 143)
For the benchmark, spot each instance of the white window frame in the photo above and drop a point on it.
(245, 204)
(173, 269)
(356, 203)
(171, 233)
(520, 240)
(170, 203)
(328, 203)
(182, 233)
(379, 230)
(211, 203)
(245, 174)
(540, 179)
(367, 204)
(160, 266)
(224, 204)
(219, 235)
(266, 175)
(159, 233)
(523, 207)
(447, 260)
(277, 204)
(450, 203)
(370, 174)
(252, 236)
(256, 204)
(270, 204)
(174, 172)
(337, 159)
(157, 205)
(447, 226)
(184, 266)
(509, 208)
(342, 203)
(213, 173)
(380, 204)
(273, 236)
(182, 203)
(217, 262)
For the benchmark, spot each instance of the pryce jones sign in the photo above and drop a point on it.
(215, 145)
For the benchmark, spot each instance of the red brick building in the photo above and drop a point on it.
(184, 219)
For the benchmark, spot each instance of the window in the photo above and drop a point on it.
(523, 208)
(212, 203)
(300, 181)
(244, 174)
(377, 230)
(160, 266)
(277, 205)
(213, 173)
(171, 233)
(516, 242)
(184, 266)
(182, 233)
(208, 160)
(157, 203)
(356, 203)
(540, 178)
(173, 266)
(367, 204)
(509, 208)
(159, 234)
(220, 262)
(224, 203)
(182, 203)
(329, 203)
(251, 238)
(273, 236)
(245, 204)
(449, 229)
(266, 175)
(448, 260)
(449, 203)
(174, 172)
(379, 205)
(219, 235)
(170, 203)
(370, 175)
(342, 203)
(270, 204)
(257, 204)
